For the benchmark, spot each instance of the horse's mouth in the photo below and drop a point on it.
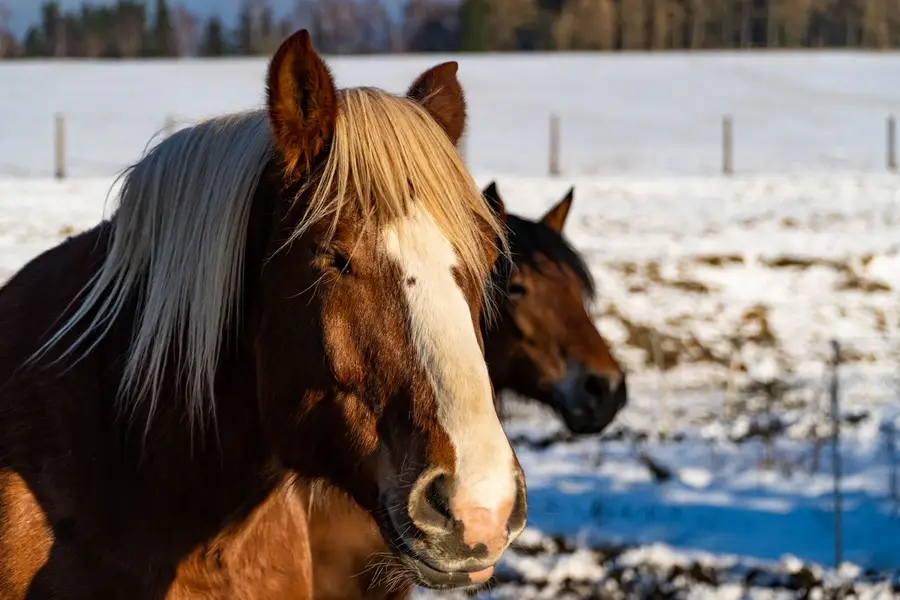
(424, 573)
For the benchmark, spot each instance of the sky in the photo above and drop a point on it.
(27, 12)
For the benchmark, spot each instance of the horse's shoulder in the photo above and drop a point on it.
(25, 537)
(264, 556)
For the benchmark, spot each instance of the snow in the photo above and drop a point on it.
(626, 113)
(737, 279)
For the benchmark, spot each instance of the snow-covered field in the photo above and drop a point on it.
(703, 488)
(630, 113)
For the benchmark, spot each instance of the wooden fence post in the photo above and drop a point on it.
(836, 452)
(727, 146)
(60, 147)
(554, 145)
(891, 143)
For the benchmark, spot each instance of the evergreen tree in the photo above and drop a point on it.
(214, 39)
(52, 25)
(473, 25)
(34, 43)
(243, 35)
(162, 38)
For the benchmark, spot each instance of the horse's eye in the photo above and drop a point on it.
(515, 290)
(341, 263)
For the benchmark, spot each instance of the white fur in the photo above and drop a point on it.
(444, 337)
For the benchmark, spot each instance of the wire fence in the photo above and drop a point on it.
(70, 144)
(837, 415)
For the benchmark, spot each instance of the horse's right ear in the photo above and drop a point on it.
(302, 102)
(492, 196)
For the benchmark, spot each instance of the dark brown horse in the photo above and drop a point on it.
(543, 345)
(283, 297)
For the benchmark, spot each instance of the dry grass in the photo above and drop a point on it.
(805, 262)
(719, 260)
(859, 283)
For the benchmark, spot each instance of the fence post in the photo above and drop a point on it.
(835, 451)
(662, 423)
(891, 143)
(890, 447)
(60, 147)
(554, 145)
(727, 146)
(170, 125)
(730, 396)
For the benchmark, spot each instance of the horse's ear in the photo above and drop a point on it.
(302, 102)
(492, 196)
(556, 216)
(439, 91)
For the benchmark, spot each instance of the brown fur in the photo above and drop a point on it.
(302, 120)
(314, 379)
(451, 115)
(526, 351)
(24, 536)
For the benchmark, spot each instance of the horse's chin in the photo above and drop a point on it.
(418, 571)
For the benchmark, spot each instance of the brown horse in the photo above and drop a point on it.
(286, 294)
(543, 345)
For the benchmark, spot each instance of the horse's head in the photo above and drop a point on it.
(548, 346)
(367, 324)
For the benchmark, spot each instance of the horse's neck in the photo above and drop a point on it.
(496, 353)
(153, 499)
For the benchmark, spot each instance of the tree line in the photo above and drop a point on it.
(125, 30)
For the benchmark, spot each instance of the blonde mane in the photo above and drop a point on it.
(179, 231)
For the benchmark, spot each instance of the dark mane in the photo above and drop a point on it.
(528, 240)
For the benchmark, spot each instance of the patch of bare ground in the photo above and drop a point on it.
(754, 326)
(860, 283)
(718, 260)
(850, 277)
(683, 282)
(801, 263)
(639, 277)
(664, 350)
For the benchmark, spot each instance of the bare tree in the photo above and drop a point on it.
(187, 31)
(586, 25)
(128, 30)
(700, 14)
(668, 24)
(875, 24)
(507, 19)
(634, 19)
(375, 25)
(795, 16)
(338, 26)
(252, 14)
(431, 26)
(5, 45)
(303, 15)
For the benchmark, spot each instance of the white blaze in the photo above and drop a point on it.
(445, 340)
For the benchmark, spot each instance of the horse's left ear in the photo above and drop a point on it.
(494, 200)
(439, 91)
(556, 216)
(302, 102)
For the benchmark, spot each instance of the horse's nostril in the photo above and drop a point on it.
(596, 385)
(429, 507)
(436, 497)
